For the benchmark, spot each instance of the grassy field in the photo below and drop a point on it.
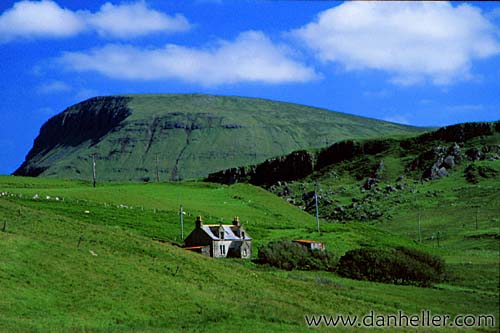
(75, 258)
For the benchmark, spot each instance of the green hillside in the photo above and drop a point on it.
(76, 258)
(137, 137)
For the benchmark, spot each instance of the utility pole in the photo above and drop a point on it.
(419, 234)
(93, 169)
(157, 170)
(181, 220)
(316, 203)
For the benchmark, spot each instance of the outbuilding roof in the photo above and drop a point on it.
(194, 247)
(305, 241)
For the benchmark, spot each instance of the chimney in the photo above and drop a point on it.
(199, 222)
(236, 221)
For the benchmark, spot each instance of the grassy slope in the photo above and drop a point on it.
(264, 129)
(449, 206)
(135, 283)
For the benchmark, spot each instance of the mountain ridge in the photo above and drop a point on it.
(184, 136)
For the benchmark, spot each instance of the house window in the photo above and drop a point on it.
(222, 235)
(244, 252)
(222, 249)
(243, 235)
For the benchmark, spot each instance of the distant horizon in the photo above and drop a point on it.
(429, 64)
(275, 100)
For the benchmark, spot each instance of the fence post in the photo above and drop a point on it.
(93, 171)
(181, 220)
(79, 241)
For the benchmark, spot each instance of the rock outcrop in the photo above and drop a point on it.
(286, 168)
(86, 121)
(433, 163)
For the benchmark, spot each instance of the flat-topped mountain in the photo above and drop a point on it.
(174, 137)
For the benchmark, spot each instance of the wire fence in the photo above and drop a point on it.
(440, 224)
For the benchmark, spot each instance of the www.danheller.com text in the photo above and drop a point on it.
(400, 319)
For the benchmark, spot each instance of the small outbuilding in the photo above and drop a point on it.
(220, 240)
(310, 244)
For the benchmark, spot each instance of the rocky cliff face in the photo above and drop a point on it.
(86, 121)
(292, 167)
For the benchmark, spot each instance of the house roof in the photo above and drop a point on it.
(231, 232)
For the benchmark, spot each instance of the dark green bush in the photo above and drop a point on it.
(470, 174)
(473, 172)
(399, 266)
(289, 255)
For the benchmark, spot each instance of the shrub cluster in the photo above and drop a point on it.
(399, 266)
(473, 172)
(289, 255)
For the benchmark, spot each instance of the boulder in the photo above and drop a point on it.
(456, 152)
(380, 170)
(474, 154)
(442, 172)
(449, 162)
(285, 192)
(306, 196)
(400, 186)
(370, 183)
(390, 188)
(437, 170)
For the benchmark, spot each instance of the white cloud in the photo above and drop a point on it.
(46, 19)
(54, 87)
(133, 20)
(413, 41)
(252, 57)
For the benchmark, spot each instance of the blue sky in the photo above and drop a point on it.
(432, 63)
